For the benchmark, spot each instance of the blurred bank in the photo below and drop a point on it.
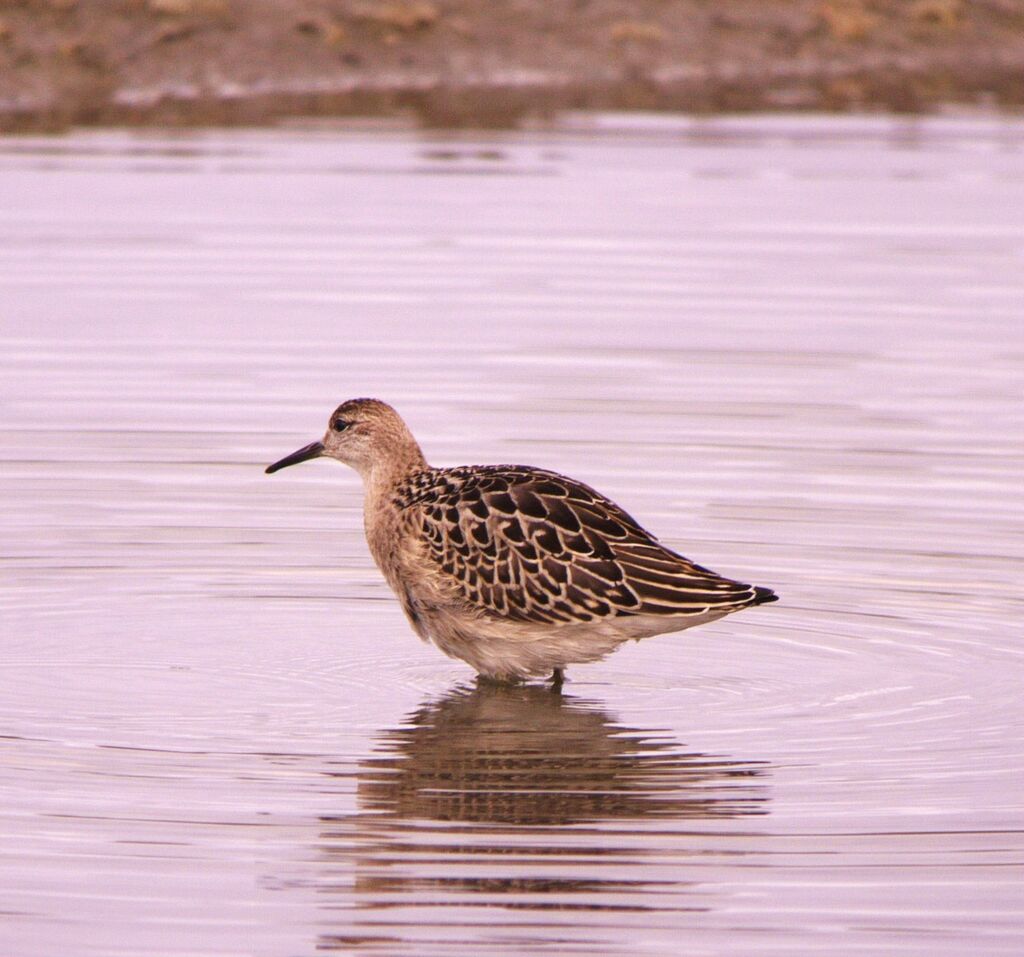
(452, 63)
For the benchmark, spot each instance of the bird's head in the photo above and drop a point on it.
(367, 435)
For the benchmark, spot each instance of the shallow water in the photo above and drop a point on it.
(794, 348)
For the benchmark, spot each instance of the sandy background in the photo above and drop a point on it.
(486, 63)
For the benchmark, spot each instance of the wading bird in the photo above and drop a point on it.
(517, 571)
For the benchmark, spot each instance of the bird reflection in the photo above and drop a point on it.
(523, 798)
(525, 755)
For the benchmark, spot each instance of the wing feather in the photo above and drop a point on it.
(535, 546)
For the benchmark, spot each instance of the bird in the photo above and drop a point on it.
(517, 571)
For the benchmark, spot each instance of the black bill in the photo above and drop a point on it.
(311, 451)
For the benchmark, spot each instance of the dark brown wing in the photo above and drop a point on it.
(536, 546)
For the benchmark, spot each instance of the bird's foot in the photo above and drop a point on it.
(557, 679)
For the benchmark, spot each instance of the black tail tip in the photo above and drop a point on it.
(764, 595)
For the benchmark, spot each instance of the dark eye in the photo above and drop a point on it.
(339, 425)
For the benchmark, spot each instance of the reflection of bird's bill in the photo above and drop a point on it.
(524, 755)
(312, 451)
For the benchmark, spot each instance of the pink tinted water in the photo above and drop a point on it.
(794, 348)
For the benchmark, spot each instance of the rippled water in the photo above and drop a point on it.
(793, 348)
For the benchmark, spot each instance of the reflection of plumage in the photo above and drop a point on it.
(515, 799)
(522, 755)
(515, 570)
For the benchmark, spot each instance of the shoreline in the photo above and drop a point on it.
(451, 64)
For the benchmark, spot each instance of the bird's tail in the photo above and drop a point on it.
(763, 595)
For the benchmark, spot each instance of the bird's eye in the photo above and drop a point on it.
(339, 425)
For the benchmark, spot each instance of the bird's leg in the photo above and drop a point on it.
(557, 679)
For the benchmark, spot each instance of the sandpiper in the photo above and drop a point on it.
(516, 570)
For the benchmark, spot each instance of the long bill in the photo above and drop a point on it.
(312, 451)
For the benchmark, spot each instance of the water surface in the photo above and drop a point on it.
(794, 348)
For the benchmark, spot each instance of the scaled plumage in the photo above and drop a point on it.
(516, 570)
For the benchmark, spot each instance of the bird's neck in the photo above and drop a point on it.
(381, 514)
(388, 472)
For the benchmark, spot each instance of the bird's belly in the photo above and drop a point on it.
(508, 650)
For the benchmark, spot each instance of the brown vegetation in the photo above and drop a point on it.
(467, 62)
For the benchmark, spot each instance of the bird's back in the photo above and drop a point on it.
(532, 546)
